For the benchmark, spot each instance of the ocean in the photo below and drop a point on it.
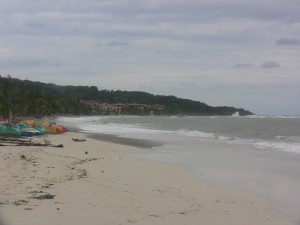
(257, 154)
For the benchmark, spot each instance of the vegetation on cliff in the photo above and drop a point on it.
(28, 98)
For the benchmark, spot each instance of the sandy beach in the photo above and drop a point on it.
(94, 182)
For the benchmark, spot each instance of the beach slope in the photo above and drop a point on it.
(93, 182)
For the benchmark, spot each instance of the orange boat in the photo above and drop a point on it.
(52, 128)
(28, 122)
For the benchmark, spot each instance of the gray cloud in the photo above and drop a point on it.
(173, 43)
(269, 65)
(287, 41)
(243, 65)
(115, 43)
(23, 62)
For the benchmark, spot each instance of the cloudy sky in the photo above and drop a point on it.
(223, 52)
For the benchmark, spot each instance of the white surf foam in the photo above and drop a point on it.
(281, 146)
(99, 124)
(195, 133)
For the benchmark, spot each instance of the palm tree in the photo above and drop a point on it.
(10, 97)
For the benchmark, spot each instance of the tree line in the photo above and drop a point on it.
(37, 99)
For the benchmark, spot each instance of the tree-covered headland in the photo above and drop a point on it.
(37, 99)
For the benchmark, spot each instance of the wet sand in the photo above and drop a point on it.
(269, 173)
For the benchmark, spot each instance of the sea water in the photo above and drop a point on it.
(259, 154)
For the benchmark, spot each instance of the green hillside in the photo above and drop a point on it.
(28, 98)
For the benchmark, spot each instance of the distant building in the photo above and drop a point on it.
(158, 107)
(118, 107)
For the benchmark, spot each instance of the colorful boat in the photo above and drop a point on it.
(10, 131)
(28, 122)
(2, 128)
(51, 127)
(29, 132)
(45, 127)
(21, 126)
(40, 128)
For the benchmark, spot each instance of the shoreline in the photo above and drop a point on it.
(111, 138)
(95, 182)
(133, 142)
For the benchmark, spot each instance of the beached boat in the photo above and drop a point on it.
(40, 128)
(10, 131)
(21, 126)
(30, 132)
(52, 128)
(28, 122)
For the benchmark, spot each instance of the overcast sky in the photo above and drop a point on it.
(222, 52)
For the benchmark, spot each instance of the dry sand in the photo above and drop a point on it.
(93, 182)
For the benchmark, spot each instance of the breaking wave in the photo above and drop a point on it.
(104, 125)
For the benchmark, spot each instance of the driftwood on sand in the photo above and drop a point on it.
(14, 141)
(39, 144)
(78, 140)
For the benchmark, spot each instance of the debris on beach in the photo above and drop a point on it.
(45, 196)
(20, 202)
(58, 146)
(82, 174)
(78, 140)
(21, 141)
